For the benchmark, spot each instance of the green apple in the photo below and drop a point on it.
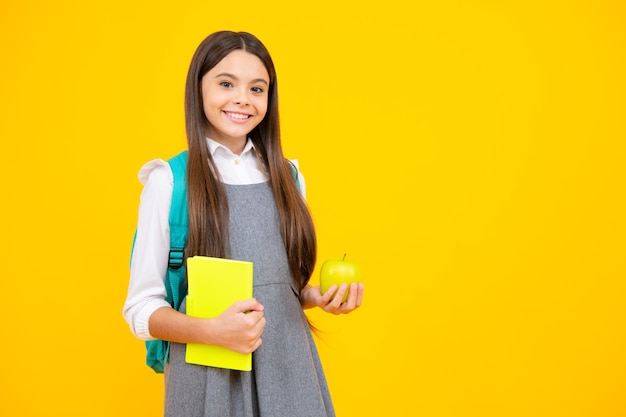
(338, 271)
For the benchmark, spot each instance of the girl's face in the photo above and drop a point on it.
(234, 95)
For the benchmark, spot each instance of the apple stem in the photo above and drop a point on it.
(344, 257)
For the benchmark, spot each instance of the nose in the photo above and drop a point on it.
(241, 98)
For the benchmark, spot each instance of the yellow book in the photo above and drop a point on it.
(214, 285)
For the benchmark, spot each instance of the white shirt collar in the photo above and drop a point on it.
(214, 146)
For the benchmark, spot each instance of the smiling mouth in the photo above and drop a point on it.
(237, 116)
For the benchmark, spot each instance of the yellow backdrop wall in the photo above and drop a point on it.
(468, 154)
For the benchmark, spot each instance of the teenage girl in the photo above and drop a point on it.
(244, 204)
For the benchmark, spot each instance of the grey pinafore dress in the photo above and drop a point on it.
(287, 379)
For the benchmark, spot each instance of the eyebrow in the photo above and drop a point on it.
(227, 74)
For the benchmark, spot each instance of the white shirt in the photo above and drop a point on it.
(146, 289)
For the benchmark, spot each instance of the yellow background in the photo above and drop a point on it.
(468, 154)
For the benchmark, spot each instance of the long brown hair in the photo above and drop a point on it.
(208, 205)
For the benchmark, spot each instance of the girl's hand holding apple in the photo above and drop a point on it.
(340, 290)
(331, 300)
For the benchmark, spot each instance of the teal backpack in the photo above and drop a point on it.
(158, 350)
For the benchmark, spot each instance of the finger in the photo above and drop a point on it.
(328, 295)
(355, 299)
(335, 303)
(255, 318)
(250, 346)
(357, 289)
(260, 325)
(350, 303)
(244, 306)
(253, 335)
(257, 345)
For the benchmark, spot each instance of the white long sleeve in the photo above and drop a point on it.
(146, 289)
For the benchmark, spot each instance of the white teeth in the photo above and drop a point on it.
(237, 116)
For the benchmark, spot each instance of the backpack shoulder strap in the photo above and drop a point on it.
(178, 229)
(294, 172)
